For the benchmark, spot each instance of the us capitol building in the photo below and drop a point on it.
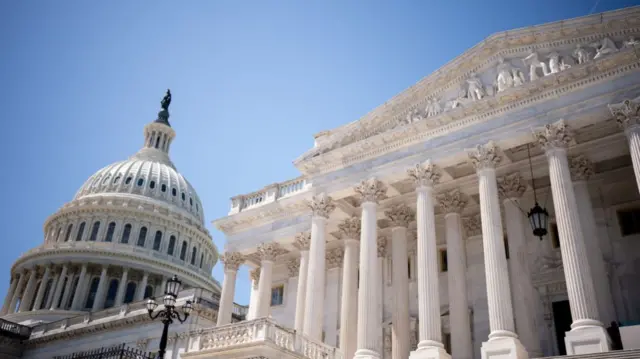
(490, 211)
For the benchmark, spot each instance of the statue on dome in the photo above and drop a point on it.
(166, 100)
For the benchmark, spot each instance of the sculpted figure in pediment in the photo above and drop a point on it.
(554, 62)
(604, 47)
(413, 116)
(433, 107)
(508, 76)
(534, 64)
(475, 91)
(631, 42)
(460, 100)
(582, 55)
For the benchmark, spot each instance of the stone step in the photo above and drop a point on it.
(615, 354)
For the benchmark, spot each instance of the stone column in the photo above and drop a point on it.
(425, 176)
(627, 113)
(141, 287)
(332, 303)
(76, 304)
(9, 296)
(350, 231)
(122, 287)
(268, 253)
(511, 187)
(42, 288)
(303, 240)
(254, 274)
(59, 287)
(232, 261)
(66, 292)
(17, 292)
(98, 301)
(452, 204)
(379, 290)
(400, 217)
(321, 206)
(27, 296)
(54, 285)
(371, 191)
(502, 337)
(293, 270)
(587, 334)
(581, 169)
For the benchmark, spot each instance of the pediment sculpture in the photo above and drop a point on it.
(631, 42)
(507, 76)
(604, 47)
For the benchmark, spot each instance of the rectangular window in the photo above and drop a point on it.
(277, 295)
(555, 237)
(409, 267)
(629, 221)
(443, 260)
(506, 246)
(447, 342)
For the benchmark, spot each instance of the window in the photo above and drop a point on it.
(69, 229)
(128, 180)
(193, 256)
(110, 230)
(92, 293)
(125, 234)
(555, 237)
(444, 265)
(116, 180)
(191, 201)
(157, 141)
(506, 246)
(140, 182)
(157, 240)
(130, 292)
(148, 292)
(173, 192)
(80, 232)
(201, 259)
(183, 251)
(183, 197)
(629, 221)
(277, 295)
(152, 184)
(58, 234)
(112, 291)
(172, 244)
(142, 236)
(409, 267)
(163, 188)
(94, 231)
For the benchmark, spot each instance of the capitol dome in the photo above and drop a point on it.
(130, 227)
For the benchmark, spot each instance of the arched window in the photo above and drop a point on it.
(110, 230)
(91, 297)
(116, 180)
(163, 188)
(174, 192)
(74, 287)
(172, 244)
(142, 236)
(157, 240)
(201, 259)
(157, 141)
(183, 251)
(45, 297)
(112, 291)
(80, 232)
(193, 256)
(58, 234)
(128, 180)
(64, 284)
(140, 182)
(94, 231)
(183, 197)
(125, 234)
(148, 292)
(130, 292)
(191, 201)
(152, 184)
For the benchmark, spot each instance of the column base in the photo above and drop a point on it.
(366, 354)
(429, 353)
(585, 340)
(503, 348)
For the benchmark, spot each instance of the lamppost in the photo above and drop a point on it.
(169, 312)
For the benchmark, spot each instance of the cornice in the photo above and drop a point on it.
(268, 213)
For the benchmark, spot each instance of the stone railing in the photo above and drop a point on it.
(260, 331)
(268, 194)
(14, 330)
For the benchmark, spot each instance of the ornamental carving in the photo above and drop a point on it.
(322, 205)
(269, 251)
(472, 225)
(382, 246)
(293, 266)
(581, 168)
(334, 257)
(424, 174)
(400, 215)
(350, 228)
(232, 260)
(512, 185)
(371, 190)
(452, 201)
(254, 274)
(303, 241)
(626, 113)
(555, 135)
(484, 156)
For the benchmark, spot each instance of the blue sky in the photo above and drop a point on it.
(252, 81)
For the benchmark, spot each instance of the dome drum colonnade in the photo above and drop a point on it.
(587, 332)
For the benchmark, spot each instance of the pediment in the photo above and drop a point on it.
(503, 69)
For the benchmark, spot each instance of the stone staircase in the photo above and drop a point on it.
(616, 354)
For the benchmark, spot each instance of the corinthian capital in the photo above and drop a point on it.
(269, 251)
(350, 228)
(254, 274)
(322, 205)
(555, 135)
(512, 185)
(472, 225)
(452, 201)
(382, 246)
(293, 266)
(334, 257)
(484, 156)
(303, 241)
(400, 215)
(232, 260)
(581, 168)
(626, 113)
(424, 174)
(371, 190)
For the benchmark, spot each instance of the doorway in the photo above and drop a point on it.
(562, 320)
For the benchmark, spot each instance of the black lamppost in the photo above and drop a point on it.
(538, 216)
(169, 313)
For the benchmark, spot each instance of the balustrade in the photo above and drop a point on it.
(268, 194)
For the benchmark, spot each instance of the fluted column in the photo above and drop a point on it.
(17, 292)
(268, 253)
(66, 292)
(141, 287)
(59, 287)
(555, 138)
(303, 241)
(400, 217)
(485, 159)
(27, 296)
(122, 287)
(511, 187)
(9, 296)
(332, 301)
(627, 114)
(43, 288)
(425, 176)
(452, 204)
(581, 169)
(350, 231)
(379, 290)
(321, 206)
(54, 285)
(254, 275)
(98, 301)
(232, 261)
(76, 304)
(371, 191)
